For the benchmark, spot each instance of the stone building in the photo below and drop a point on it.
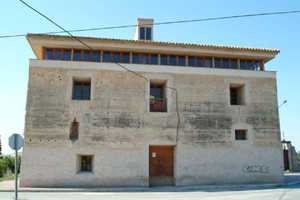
(141, 113)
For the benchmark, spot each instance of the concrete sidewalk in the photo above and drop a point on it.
(289, 179)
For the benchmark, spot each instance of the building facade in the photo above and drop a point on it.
(142, 113)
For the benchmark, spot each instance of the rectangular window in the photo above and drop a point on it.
(148, 33)
(116, 57)
(81, 89)
(181, 60)
(237, 95)
(249, 65)
(67, 54)
(96, 56)
(77, 55)
(158, 101)
(154, 59)
(106, 56)
(142, 33)
(86, 163)
(226, 63)
(240, 134)
(86, 55)
(125, 58)
(199, 61)
(49, 54)
(163, 59)
(172, 60)
(57, 54)
(191, 61)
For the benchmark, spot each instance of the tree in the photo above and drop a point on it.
(298, 156)
(0, 147)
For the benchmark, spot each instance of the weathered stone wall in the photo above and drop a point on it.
(117, 127)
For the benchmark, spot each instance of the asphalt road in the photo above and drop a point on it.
(281, 193)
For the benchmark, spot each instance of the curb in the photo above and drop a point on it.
(157, 189)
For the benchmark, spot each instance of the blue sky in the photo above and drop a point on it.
(280, 32)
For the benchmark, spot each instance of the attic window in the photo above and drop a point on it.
(145, 33)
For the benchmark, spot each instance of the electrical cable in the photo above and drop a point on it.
(122, 66)
(154, 24)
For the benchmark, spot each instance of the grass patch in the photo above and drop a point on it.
(7, 177)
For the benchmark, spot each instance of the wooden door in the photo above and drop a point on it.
(161, 165)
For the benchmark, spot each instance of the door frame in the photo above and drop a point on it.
(174, 162)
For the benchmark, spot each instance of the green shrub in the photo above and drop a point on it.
(3, 167)
(7, 165)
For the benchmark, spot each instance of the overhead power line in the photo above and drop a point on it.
(53, 22)
(123, 67)
(156, 23)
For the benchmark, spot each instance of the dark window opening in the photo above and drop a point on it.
(181, 60)
(116, 57)
(85, 163)
(249, 65)
(158, 102)
(67, 55)
(57, 54)
(106, 56)
(163, 59)
(81, 90)
(226, 63)
(199, 61)
(154, 59)
(144, 58)
(240, 134)
(237, 95)
(49, 54)
(96, 56)
(172, 60)
(142, 33)
(148, 33)
(77, 55)
(86, 55)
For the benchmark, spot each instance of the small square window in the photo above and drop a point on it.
(240, 134)
(85, 163)
(237, 95)
(81, 89)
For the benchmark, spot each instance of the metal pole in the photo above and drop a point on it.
(16, 175)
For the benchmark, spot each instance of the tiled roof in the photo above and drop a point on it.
(158, 43)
